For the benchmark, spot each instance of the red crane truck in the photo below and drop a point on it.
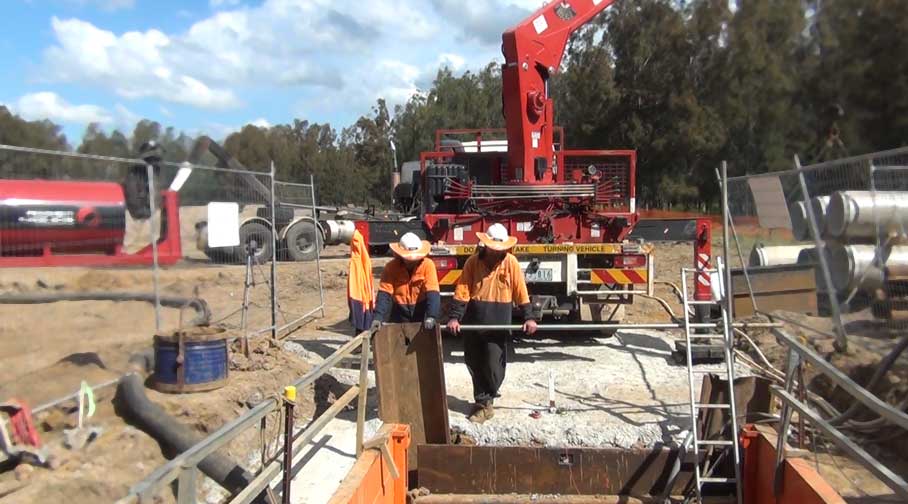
(572, 210)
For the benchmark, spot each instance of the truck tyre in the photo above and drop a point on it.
(261, 235)
(304, 241)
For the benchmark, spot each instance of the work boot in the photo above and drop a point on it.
(481, 412)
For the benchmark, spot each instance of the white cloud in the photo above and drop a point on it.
(327, 54)
(107, 5)
(126, 119)
(134, 65)
(261, 122)
(485, 21)
(48, 105)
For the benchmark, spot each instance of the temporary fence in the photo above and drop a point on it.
(824, 248)
(172, 234)
(183, 470)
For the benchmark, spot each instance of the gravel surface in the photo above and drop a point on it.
(626, 391)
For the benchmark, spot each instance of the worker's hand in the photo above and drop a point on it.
(429, 323)
(529, 327)
(454, 326)
(376, 325)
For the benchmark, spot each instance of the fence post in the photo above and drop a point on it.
(274, 242)
(152, 195)
(841, 341)
(726, 219)
(318, 251)
(363, 391)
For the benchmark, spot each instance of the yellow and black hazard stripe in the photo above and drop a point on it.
(619, 276)
(450, 278)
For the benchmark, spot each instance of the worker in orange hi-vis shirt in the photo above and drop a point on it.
(408, 291)
(359, 284)
(489, 287)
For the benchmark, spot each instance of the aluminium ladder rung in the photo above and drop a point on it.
(718, 480)
(694, 303)
(715, 442)
(710, 371)
(712, 406)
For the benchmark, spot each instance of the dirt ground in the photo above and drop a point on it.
(47, 350)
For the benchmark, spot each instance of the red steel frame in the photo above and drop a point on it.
(169, 247)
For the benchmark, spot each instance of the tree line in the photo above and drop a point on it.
(687, 84)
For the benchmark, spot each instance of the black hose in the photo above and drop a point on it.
(203, 314)
(884, 366)
(154, 421)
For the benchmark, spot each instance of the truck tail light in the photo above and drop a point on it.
(630, 261)
(445, 263)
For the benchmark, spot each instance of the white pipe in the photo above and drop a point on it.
(860, 267)
(776, 256)
(799, 227)
(855, 215)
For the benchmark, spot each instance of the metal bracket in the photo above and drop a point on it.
(381, 443)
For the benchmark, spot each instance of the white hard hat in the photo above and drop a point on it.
(410, 242)
(496, 238)
(411, 247)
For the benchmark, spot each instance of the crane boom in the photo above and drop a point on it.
(533, 51)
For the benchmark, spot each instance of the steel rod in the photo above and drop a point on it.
(288, 449)
(892, 480)
(597, 327)
(873, 402)
(155, 270)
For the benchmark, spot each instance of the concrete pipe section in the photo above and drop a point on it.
(858, 267)
(864, 215)
(776, 256)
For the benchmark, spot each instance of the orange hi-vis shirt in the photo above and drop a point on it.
(405, 297)
(359, 284)
(485, 296)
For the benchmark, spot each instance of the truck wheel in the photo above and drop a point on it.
(304, 241)
(261, 235)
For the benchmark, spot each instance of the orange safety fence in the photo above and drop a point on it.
(373, 479)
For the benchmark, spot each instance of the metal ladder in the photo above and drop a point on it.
(695, 407)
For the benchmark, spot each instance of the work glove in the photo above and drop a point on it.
(376, 325)
(429, 323)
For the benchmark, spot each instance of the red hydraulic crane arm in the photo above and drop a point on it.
(533, 51)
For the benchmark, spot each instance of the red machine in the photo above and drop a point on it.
(572, 210)
(64, 223)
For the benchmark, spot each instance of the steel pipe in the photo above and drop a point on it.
(861, 267)
(820, 205)
(338, 232)
(776, 256)
(799, 227)
(865, 215)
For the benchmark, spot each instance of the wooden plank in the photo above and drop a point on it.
(456, 469)
(791, 288)
(409, 375)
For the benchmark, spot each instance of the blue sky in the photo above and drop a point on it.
(211, 66)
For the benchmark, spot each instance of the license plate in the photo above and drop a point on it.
(540, 275)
